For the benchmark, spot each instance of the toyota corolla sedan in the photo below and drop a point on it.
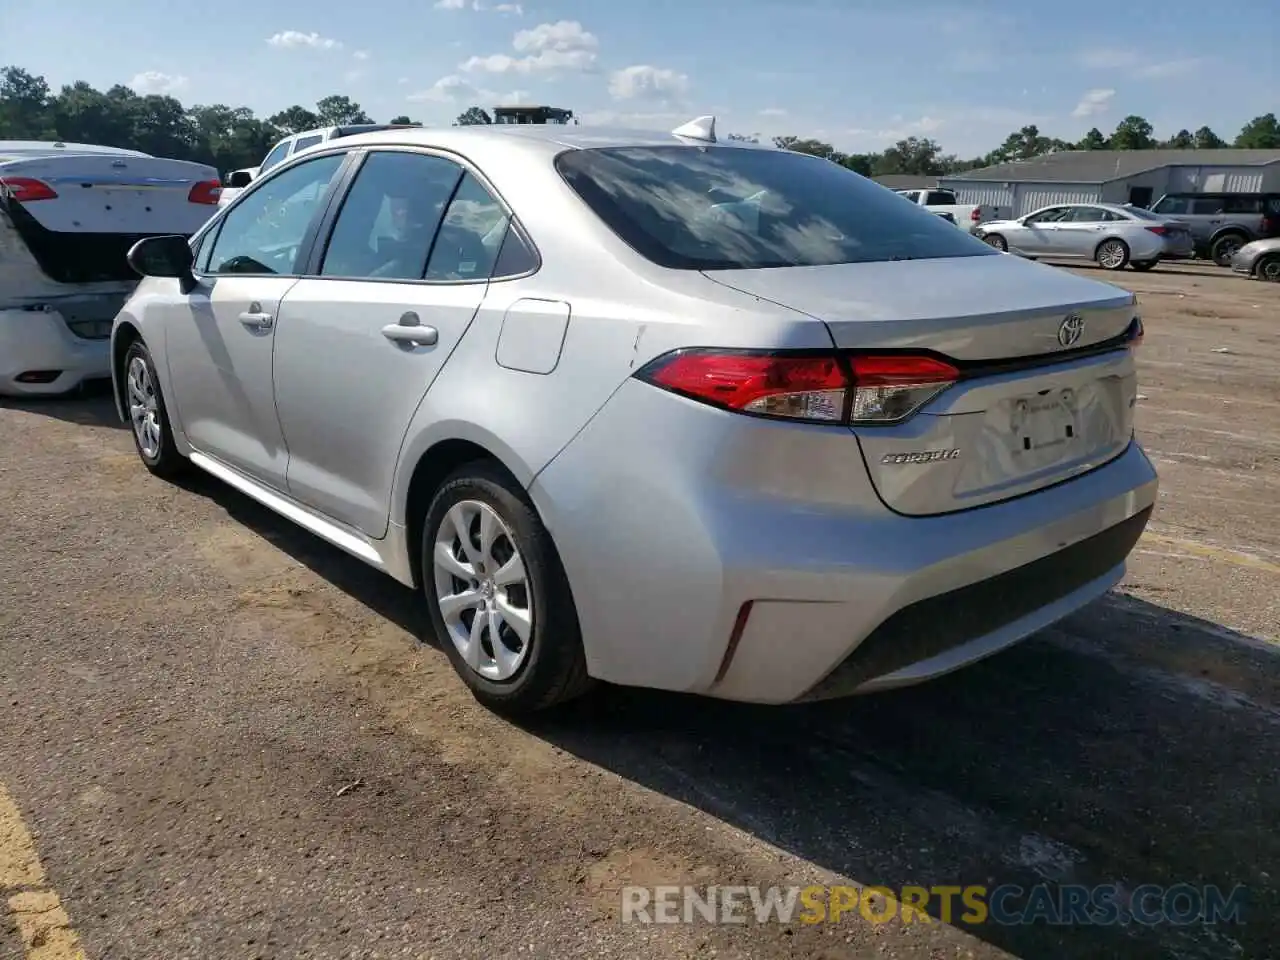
(651, 409)
(1113, 235)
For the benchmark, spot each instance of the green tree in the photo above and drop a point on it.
(24, 105)
(1182, 140)
(1132, 133)
(1093, 140)
(403, 118)
(336, 109)
(295, 119)
(914, 155)
(473, 117)
(1206, 139)
(1260, 133)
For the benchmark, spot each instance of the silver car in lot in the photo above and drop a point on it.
(651, 409)
(1259, 259)
(1112, 235)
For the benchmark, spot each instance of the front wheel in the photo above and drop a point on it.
(1143, 265)
(498, 597)
(1268, 269)
(997, 241)
(1112, 254)
(148, 416)
(1225, 247)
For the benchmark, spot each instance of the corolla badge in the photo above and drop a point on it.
(1071, 329)
(920, 456)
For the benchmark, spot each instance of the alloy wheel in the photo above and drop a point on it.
(1111, 254)
(483, 590)
(144, 408)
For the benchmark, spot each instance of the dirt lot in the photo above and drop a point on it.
(220, 740)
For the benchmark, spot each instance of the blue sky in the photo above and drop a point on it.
(856, 74)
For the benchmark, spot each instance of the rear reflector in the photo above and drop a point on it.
(816, 387)
(26, 189)
(38, 376)
(206, 191)
(1159, 230)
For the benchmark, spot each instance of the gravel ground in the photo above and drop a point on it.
(226, 741)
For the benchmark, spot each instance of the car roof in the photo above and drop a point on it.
(534, 136)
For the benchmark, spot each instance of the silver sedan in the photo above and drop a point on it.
(1259, 259)
(1111, 234)
(652, 409)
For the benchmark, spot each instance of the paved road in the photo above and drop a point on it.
(219, 739)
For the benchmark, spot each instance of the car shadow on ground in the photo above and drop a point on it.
(1184, 268)
(90, 406)
(1127, 746)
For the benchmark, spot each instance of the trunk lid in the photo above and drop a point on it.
(103, 204)
(1033, 406)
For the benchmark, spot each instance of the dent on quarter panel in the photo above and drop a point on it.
(532, 335)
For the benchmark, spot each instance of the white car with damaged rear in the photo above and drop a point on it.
(69, 212)
(649, 408)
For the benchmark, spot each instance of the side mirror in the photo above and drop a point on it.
(240, 179)
(167, 256)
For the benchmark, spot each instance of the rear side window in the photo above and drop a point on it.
(470, 236)
(725, 208)
(306, 142)
(390, 216)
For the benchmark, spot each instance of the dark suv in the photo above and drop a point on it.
(1221, 223)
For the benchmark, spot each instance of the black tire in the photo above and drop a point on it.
(166, 462)
(1105, 247)
(1143, 265)
(1268, 268)
(1225, 246)
(997, 241)
(554, 669)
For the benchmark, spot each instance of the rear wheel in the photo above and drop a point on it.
(498, 596)
(1268, 269)
(997, 241)
(1112, 254)
(152, 435)
(1225, 247)
(1143, 265)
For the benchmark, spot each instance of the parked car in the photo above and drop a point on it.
(1221, 223)
(69, 212)
(237, 180)
(1113, 235)
(944, 203)
(613, 423)
(1259, 259)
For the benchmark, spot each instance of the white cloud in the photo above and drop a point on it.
(1136, 64)
(450, 4)
(563, 45)
(773, 112)
(643, 82)
(351, 76)
(1094, 102)
(361, 54)
(516, 8)
(153, 81)
(450, 89)
(292, 39)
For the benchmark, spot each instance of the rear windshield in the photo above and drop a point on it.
(725, 208)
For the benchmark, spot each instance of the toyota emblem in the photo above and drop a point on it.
(1071, 329)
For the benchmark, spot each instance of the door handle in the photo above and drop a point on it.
(256, 319)
(411, 332)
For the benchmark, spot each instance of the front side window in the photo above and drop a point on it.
(1172, 205)
(280, 151)
(1051, 215)
(263, 232)
(390, 217)
(725, 208)
(940, 199)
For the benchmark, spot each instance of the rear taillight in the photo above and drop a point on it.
(1267, 226)
(206, 191)
(815, 387)
(975, 214)
(26, 189)
(1161, 231)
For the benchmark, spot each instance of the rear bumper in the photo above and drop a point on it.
(40, 343)
(752, 561)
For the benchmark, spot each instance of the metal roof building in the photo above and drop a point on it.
(1116, 176)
